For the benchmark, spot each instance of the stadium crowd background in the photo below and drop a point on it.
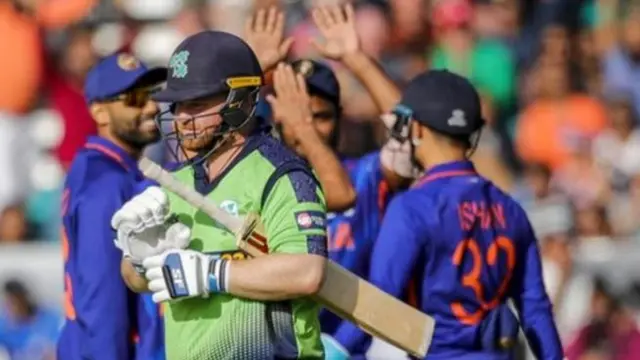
(560, 81)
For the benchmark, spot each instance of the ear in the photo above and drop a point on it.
(99, 114)
(416, 132)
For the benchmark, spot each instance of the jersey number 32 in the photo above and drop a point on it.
(473, 278)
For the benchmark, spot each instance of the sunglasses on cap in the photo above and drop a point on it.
(136, 97)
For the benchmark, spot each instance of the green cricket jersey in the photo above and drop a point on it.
(269, 179)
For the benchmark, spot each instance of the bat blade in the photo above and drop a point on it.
(342, 292)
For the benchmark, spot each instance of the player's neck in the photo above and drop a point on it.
(432, 158)
(220, 160)
(223, 157)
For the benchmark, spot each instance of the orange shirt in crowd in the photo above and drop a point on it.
(548, 129)
(21, 63)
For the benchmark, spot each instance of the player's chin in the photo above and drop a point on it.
(196, 143)
(149, 134)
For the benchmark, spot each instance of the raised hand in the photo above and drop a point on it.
(264, 32)
(337, 26)
(291, 104)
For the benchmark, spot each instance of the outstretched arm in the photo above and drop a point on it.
(341, 43)
(292, 109)
(264, 32)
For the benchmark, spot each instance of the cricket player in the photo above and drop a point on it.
(220, 304)
(375, 176)
(104, 318)
(455, 242)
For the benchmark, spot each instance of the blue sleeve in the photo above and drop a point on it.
(532, 301)
(102, 301)
(391, 265)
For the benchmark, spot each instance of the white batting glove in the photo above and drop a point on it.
(182, 274)
(143, 227)
(397, 156)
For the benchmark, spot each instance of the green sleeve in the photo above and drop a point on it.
(295, 216)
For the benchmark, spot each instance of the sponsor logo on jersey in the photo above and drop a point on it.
(230, 206)
(310, 220)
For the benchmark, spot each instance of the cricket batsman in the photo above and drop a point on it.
(104, 320)
(306, 109)
(455, 241)
(219, 303)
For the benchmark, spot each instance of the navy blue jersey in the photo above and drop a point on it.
(351, 233)
(458, 247)
(104, 320)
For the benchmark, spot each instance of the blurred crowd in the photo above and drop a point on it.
(560, 85)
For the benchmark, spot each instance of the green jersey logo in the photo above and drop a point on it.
(178, 64)
(230, 207)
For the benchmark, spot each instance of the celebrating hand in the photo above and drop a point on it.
(337, 26)
(264, 32)
(291, 104)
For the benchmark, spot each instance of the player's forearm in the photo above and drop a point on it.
(384, 92)
(338, 190)
(276, 277)
(134, 281)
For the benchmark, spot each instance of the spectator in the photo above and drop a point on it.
(567, 287)
(622, 63)
(488, 157)
(64, 89)
(487, 63)
(13, 224)
(548, 128)
(592, 223)
(27, 331)
(625, 209)
(548, 209)
(616, 149)
(580, 178)
(611, 332)
(22, 62)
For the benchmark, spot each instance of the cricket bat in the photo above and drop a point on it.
(345, 294)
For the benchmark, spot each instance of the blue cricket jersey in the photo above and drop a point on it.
(460, 247)
(104, 319)
(351, 234)
(33, 339)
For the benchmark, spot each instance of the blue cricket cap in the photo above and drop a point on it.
(320, 79)
(209, 63)
(117, 74)
(445, 102)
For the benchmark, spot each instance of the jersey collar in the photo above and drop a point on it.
(446, 170)
(113, 151)
(201, 178)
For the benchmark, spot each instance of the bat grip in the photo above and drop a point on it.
(165, 179)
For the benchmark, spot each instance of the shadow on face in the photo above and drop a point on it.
(196, 122)
(129, 117)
